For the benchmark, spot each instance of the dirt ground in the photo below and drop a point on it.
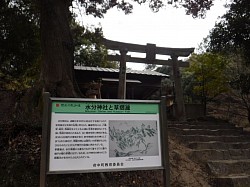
(183, 171)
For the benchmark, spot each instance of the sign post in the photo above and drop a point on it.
(89, 135)
(165, 149)
(44, 147)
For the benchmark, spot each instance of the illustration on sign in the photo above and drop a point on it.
(133, 138)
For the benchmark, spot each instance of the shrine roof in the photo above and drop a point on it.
(129, 71)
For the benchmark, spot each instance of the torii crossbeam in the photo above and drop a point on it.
(151, 50)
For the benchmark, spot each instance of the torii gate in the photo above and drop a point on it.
(151, 50)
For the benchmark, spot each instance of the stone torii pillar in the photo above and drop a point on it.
(179, 107)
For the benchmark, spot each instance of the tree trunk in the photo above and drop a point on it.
(57, 49)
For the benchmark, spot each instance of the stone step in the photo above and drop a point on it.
(229, 167)
(212, 127)
(210, 122)
(205, 138)
(213, 154)
(218, 145)
(232, 181)
(224, 148)
(218, 132)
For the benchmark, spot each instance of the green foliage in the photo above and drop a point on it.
(167, 83)
(232, 33)
(208, 74)
(20, 45)
(231, 37)
(241, 83)
(239, 80)
(196, 8)
(188, 84)
(89, 50)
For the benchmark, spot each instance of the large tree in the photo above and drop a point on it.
(20, 54)
(231, 37)
(57, 43)
(232, 33)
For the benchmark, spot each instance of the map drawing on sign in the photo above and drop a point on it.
(133, 138)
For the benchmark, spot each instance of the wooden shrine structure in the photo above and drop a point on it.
(151, 50)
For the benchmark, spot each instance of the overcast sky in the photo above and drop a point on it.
(170, 27)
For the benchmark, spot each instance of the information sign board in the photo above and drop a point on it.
(104, 135)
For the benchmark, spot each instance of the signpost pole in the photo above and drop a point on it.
(164, 141)
(43, 167)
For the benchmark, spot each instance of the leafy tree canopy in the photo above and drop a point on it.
(89, 50)
(20, 53)
(209, 71)
(196, 8)
(20, 45)
(232, 33)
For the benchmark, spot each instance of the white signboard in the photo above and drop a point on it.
(96, 136)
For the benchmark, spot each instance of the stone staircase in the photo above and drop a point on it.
(223, 148)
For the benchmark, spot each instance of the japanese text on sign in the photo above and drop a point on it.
(80, 138)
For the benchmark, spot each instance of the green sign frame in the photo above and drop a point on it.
(61, 106)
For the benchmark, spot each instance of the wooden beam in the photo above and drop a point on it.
(122, 76)
(150, 53)
(114, 45)
(143, 60)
